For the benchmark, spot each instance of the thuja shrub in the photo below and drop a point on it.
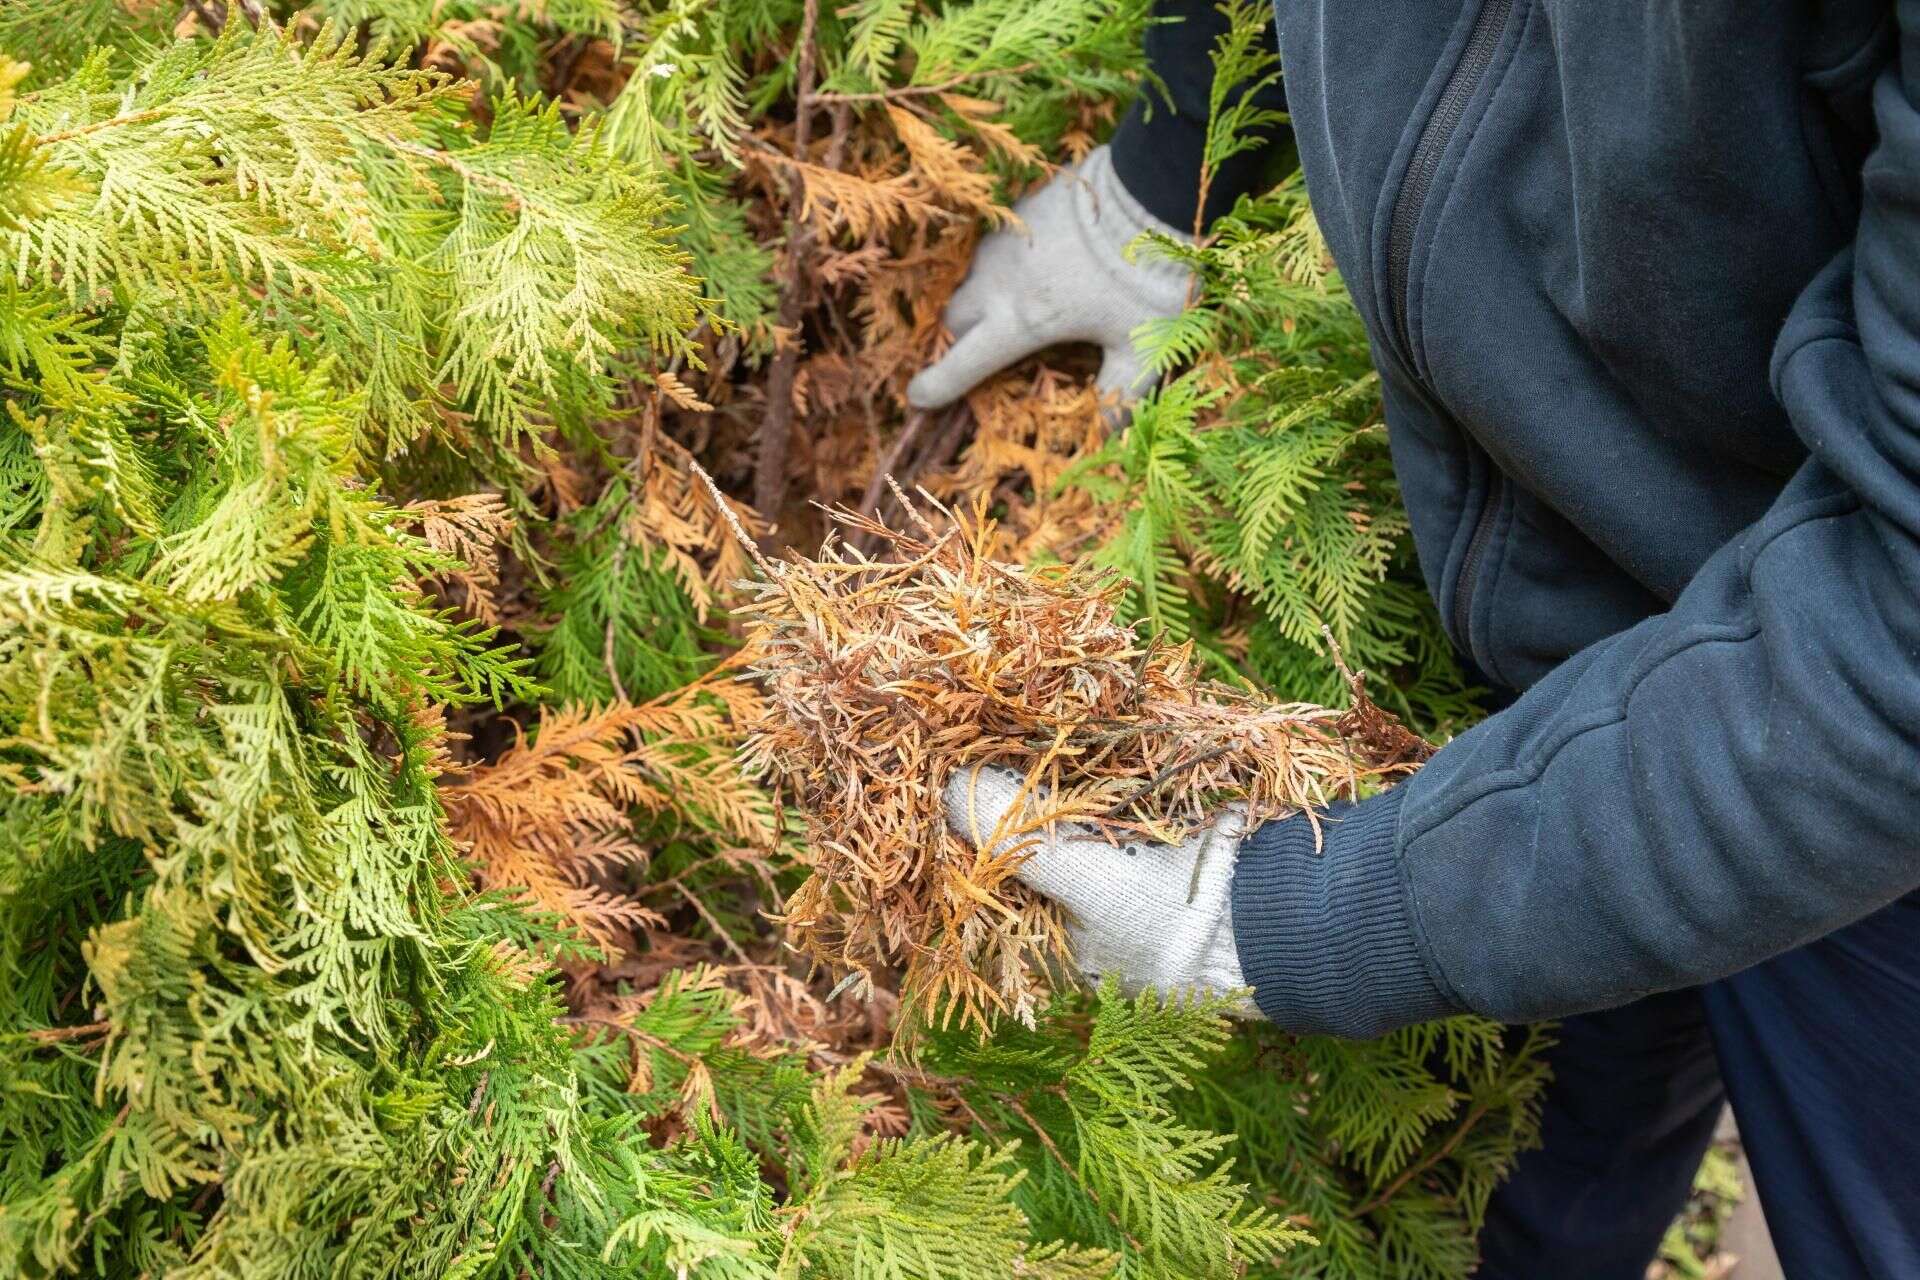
(380, 893)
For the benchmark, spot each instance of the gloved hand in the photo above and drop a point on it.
(1061, 277)
(1128, 913)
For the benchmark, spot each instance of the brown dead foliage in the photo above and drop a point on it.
(469, 530)
(871, 212)
(873, 215)
(884, 675)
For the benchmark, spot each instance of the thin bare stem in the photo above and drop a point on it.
(776, 430)
(1046, 1140)
(54, 1035)
(916, 423)
(117, 122)
(205, 17)
(1474, 1115)
(693, 900)
(1166, 775)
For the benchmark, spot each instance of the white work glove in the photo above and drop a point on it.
(1062, 276)
(1127, 906)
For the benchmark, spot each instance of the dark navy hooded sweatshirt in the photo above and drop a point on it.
(1642, 279)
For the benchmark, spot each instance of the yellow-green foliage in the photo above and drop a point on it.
(260, 291)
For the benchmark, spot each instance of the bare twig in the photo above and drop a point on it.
(54, 1035)
(206, 18)
(607, 656)
(903, 467)
(693, 900)
(116, 122)
(255, 14)
(916, 423)
(940, 449)
(1046, 1140)
(1152, 785)
(576, 48)
(776, 430)
(633, 1032)
(1473, 1117)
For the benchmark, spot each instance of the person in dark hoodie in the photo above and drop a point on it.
(1642, 282)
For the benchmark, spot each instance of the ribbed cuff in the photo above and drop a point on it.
(1326, 938)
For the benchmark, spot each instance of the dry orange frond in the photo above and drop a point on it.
(470, 529)
(684, 521)
(948, 169)
(858, 205)
(979, 113)
(548, 819)
(551, 818)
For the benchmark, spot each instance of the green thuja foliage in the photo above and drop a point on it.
(620, 615)
(1387, 1150)
(60, 36)
(1381, 1154)
(251, 1028)
(1108, 1157)
(1262, 511)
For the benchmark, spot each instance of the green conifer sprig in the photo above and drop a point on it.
(1262, 511)
(478, 279)
(1264, 494)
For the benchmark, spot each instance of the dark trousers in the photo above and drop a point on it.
(1817, 1050)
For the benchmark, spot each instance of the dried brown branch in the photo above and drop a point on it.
(884, 676)
(55, 1035)
(770, 467)
(255, 14)
(913, 455)
(207, 18)
(916, 423)
(551, 819)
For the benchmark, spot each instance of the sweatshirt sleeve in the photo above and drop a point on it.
(1722, 782)
(1159, 145)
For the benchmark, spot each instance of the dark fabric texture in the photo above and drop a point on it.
(1161, 141)
(1650, 343)
(1358, 972)
(1815, 1051)
(1635, 1098)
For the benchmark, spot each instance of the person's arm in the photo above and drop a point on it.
(1063, 274)
(1712, 787)
(1160, 144)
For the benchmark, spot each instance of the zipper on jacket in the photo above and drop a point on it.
(1417, 185)
(1408, 204)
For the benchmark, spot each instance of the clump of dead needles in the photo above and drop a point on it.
(884, 674)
